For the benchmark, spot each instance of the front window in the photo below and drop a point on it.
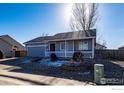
(14, 48)
(62, 46)
(83, 45)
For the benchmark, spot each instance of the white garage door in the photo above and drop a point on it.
(36, 51)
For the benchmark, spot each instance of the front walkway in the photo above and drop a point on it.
(28, 79)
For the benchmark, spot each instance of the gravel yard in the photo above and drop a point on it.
(15, 69)
(113, 69)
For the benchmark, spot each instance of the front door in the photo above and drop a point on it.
(1, 55)
(52, 47)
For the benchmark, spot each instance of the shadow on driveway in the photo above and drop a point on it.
(31, 81)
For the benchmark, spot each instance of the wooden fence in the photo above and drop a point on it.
(110, 54)
(20, 53)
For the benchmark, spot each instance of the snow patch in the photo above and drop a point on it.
(52, 64)
(27, 61)
(84, 73)
(56, 64)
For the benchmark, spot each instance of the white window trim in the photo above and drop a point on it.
(87, 45)
(61, 47)
(81, 43)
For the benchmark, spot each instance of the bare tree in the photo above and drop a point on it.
(84, 17)
(104, 43)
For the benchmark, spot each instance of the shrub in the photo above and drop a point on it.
(53, 57)
(78, 57)
(89, 66)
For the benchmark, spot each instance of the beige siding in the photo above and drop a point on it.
(5, 48)
(13, 42)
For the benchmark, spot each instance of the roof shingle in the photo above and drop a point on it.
(65, 35)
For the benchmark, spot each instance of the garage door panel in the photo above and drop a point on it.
(36, 51)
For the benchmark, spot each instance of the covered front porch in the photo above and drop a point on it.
(87, 54)
(66, 48)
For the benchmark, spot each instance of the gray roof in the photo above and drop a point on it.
(121, 47)
(97, 44)
(40, 39)
(64, 35)
(11, 41)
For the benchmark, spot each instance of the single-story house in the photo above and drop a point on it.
(100, 46)
(63, 44)
(121, 48)
(8, 46)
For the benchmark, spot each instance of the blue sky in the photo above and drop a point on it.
(27, 21)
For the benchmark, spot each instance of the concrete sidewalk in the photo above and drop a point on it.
(12, 81)
(39, 79)
(5, 59)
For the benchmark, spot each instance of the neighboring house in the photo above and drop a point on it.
(63, 44)
(8, 46)
(100, 47)
(121, 48)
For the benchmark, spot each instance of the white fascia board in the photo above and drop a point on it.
(36, 45)
(72, 39)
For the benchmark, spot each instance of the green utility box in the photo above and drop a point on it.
(98, 73)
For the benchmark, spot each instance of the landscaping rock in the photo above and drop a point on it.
(77, 66)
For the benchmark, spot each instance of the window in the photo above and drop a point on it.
(14, 48)
(83, 45)
(80, 46)
(62, 46)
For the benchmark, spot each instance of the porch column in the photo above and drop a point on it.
(73, 46)
(45, 49)
(93, 48)
(65, 48)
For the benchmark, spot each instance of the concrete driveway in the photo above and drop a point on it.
(8, 77)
